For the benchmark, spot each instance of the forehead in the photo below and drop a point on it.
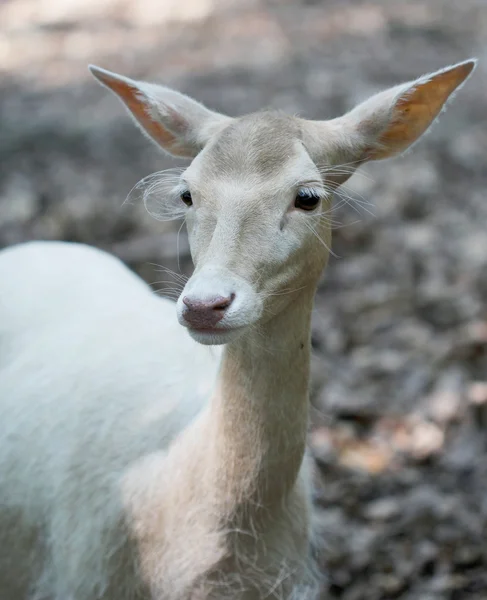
(258, 148)
(257, 143)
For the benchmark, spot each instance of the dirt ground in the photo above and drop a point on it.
(400, 328)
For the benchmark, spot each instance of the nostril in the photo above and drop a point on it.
(187, 302)
(224, 303)
(218, 303)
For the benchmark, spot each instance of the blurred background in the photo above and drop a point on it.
(400, 328)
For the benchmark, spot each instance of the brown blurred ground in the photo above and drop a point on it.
(400, 330)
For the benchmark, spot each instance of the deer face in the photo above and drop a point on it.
(257, 194)
(256, 225)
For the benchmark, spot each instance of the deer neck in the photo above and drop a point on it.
(258, 415)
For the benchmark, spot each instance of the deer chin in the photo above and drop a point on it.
(215, 336)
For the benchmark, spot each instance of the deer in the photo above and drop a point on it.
(153, 450)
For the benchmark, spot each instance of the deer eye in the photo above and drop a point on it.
(186, 198)
(306, 199)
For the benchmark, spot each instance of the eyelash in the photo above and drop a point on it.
(307, 199)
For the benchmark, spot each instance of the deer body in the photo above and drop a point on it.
(135, 463)
(74, 482)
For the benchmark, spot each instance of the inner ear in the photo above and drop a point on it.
(415, 108)
(384, 125)
(177, 123)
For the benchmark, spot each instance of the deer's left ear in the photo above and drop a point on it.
(177, 123)
(389, 122)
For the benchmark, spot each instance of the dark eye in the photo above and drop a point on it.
(186, 198)
(306, 200)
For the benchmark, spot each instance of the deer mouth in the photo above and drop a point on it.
(210, 336)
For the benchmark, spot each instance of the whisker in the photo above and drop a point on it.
(351, 164)
(164, 293)
(283, 292)
(341, 202)
(334, 171)
(338, 188)
(167, 281)
(322, 218)
(362, 198)
(179, 276)
(342, 225)
(354, 202)
(169, 290)
(346, 198)
(162, 190)
(177, 244)
(321, 240)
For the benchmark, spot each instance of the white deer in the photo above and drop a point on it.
(135, 463)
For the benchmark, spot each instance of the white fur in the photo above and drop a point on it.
(85, 433)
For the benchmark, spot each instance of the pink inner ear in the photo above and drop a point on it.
(411, 117)
(131, 96)
(417, 109)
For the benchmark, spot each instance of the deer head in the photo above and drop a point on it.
(258, 192)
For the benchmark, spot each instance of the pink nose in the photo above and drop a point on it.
(205, 314)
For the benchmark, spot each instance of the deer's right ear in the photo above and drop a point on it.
(177, 123)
